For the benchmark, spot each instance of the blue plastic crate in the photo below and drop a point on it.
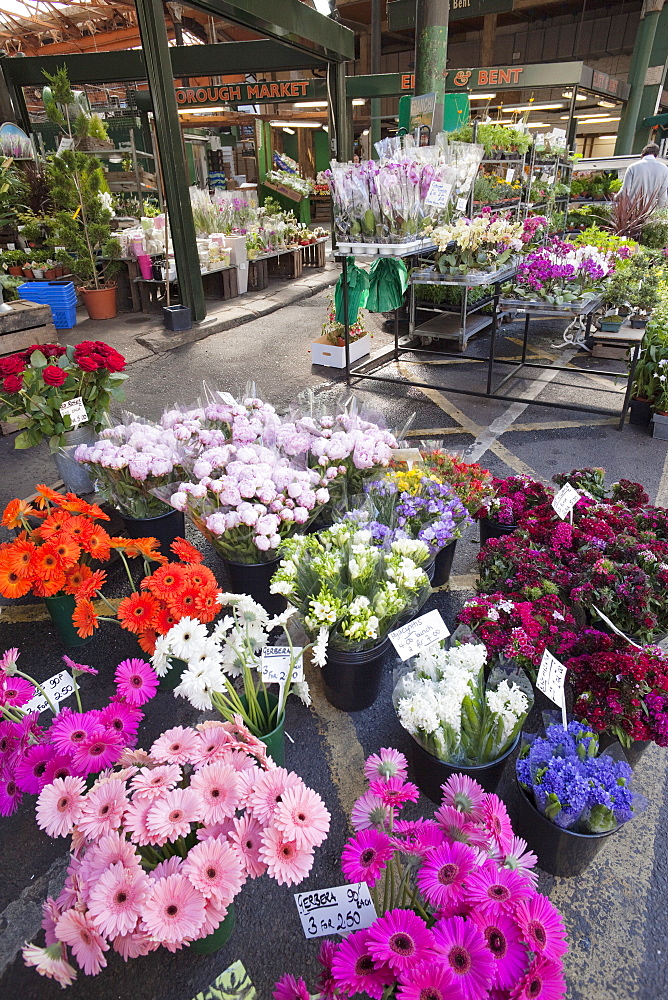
(64, 319)
(49, 292)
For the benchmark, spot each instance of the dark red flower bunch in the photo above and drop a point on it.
(12, 365)
(514, 497)
(53, 375)
(91, 355)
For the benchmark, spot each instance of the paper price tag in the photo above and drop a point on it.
(461, 204)
(276, 665)
(227, 398)
(438, 194)
(614, 627)
(340, 910)
(565, 501)
(418, 634)
(408, 455)
(545, 177)
(75, 410)
(510, 175)
(58, 687)
(550, 681)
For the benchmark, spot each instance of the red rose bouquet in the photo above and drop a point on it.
(36, 383)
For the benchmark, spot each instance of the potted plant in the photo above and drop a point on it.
(349, 594)
(660, 402)
(645, 376)
(485, 243)
(14, 261)
(610, 323)
(512, 498)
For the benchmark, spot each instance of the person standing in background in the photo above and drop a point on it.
(647, 179)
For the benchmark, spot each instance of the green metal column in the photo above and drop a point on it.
(343, 113)
(374, 135)
(642, 50)
(431, 50)
(654, 80)
(153, 31)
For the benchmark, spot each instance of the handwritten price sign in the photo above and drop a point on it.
(75, 410)
(438, 194)
(550, 681)
(565, 501)
(339, 910)
(58, 687)
(276, 665)
(418, 634)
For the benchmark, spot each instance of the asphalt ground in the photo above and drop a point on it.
(616, 913)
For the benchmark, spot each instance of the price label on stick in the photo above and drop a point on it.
(565, 501)
(510, 175)
(75, 410)
(340, 910)
(438, 194)
(461, 204)
(276, 665)
(58, 687)
(418, 634)
(550, 681)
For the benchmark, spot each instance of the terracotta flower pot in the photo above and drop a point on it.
(17, 271)
(100, 302)
(50, 273)
(27, 272)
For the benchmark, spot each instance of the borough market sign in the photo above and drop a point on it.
(242, 93)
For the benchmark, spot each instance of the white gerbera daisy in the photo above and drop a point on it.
(187, 637)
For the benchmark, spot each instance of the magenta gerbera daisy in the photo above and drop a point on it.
(76, 929)
(301, 816)
(395, 791)
(544, 980)
(462, 947)
(215, 869)
(417, 836)
(289, 988)
(136, 681)
(59, 806)
(464, 794)
(59, 766)
(355, 970)
(389, 763)
(430, 981)
(15, 691)
(99, 750)
(542, 926)
(10, 795)
(30, 771)
(400, 938)
(174, 910)
(492, 888)
(457, 826)
(175, 746)
(442, 875)
(366, 855)
(285, 862)
(497, 821)
(115, 901)
(69, 730)
(504, 941)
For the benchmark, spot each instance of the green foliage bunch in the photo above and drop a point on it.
(493, 137)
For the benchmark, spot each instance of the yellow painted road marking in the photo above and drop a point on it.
(20, 613)
(662, 493)
(537, 425)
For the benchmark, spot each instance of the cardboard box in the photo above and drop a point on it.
(334, 356)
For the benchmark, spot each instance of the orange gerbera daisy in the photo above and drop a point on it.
(126, 545)
(90, 586)
(147, 641)
(76, 577)
(67, 550)
(53, 524)
(78, 528)
(164, 621)
(84, 618)
(47, 563)
(98, 543)
(12, 585)
(47, 588)
(185, 602)
(19, 556)
(138, 612)
(207, 606)
(46, 494)
(201, 577)
(76, 505)
(149, 549)
(167, 580)
(15, 511)
(185, 551)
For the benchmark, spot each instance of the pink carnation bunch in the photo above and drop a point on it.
(163, 843)
(458, 917)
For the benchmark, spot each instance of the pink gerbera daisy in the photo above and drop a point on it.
(176, 746)
(213, 745)
(497, 821)
(464, 794)
(103, 808)
(542, 926)
(50, 917)
(217, 787)
(444, 871)
(289, 988)
(461, 946)
(395, 791)
(115, 902)
(135, 823)
(134, 945)
(99, 750)
(153, 782)
(174, 910)
(520, 859)
(170, 866)
(51, 962)
(369, 810)
(246, 836)
(81, 668)
(504, 942)
(302, 817)
(109, 850)
(544, 980)
(15, 691)
(215, 869)
(30, 772)
(70, 729)
(214, 914)
(366, 855)
(400, 939)
(122, 719)
(492, 888)
(389, 763)
(285, 862)
(170, 816)
(136, 681)
(356, 971)
(457, 826)
(223, 829)
(269, 790)
(76, 929)
(429, 981)
(59, 806)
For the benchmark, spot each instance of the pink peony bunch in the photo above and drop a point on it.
(458, 916)
(163, 844)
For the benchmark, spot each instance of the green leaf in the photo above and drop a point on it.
(24, 440)
(38, 360)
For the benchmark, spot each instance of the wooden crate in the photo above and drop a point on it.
(287, 265)
(28, 323)
(314, 254)
(283, 189)
(258, 275)
(616, 346)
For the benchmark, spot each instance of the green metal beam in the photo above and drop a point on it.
(642, 50)
(654, 81)
(153, 31)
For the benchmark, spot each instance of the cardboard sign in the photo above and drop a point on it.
(550, 681)
(438, 194)
(418, 634)
(339, 910)
(58, 687)
(75, 410)
(461, 204)
(276, 665)
(565, 501)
